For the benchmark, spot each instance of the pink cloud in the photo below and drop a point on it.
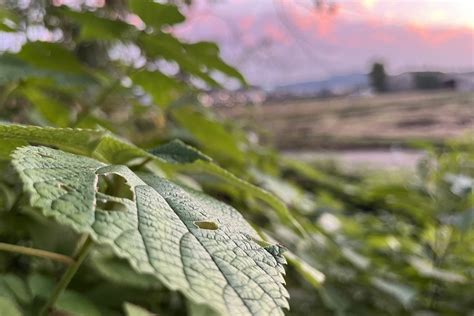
(322, 22)
(436, 36)
(307, 43)
(384, 38)
(247, 22)
(274, 32)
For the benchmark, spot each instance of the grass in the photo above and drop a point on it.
(360, 122)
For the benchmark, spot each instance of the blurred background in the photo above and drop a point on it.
(358, 115)
(358, 81)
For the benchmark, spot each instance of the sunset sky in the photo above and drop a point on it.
(286, 41)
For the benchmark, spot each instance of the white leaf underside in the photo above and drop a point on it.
(223, 268)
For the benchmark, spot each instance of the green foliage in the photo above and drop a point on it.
(156, 230)
(39, 54)
(87, 148)
(162, 88)
(94, 27)
(134, 310)
(178, 152)
(8, 307)
(156, 15)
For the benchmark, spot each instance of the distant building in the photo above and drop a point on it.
(402, 82)
(251, 95)
(464, 82)
(351, 85)
(430, 80)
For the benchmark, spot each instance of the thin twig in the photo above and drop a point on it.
(68, 275)
(36, 253)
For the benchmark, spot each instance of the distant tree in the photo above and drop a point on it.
(378, 77)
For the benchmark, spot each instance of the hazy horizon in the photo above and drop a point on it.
(281, 42)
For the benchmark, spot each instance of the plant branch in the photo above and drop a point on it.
(36, 253)
(437, 262)
(103, 95)
(8, 91)
(79, 257)
(99, 100)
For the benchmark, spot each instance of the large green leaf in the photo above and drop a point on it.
(7, 146)
(164, 45)
(134, 310)
(198, 59)
(189, 241)
(202, 124)
(162, 88)
(94, 27)
(403, 293)
(13, 69)
(5, 17)
(51, 109)
(69, 303)
(208, 53)
(118, 271)
(51, 56)
(191, 159)
(15, 288)
(156, 14)
(8, 307)
(96, 143)
(109, 148)
(178, 152)
(76, 140)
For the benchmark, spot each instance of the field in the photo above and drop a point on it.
(360, 122)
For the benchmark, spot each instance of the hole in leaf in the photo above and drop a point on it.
(113, 187)
(45, 155)
(209, 225)
(65, 187)
(107, 205)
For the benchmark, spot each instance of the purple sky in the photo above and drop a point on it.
(286, 41)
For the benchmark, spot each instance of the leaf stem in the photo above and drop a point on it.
(142, 164)
(36, 253)
(79, 257)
